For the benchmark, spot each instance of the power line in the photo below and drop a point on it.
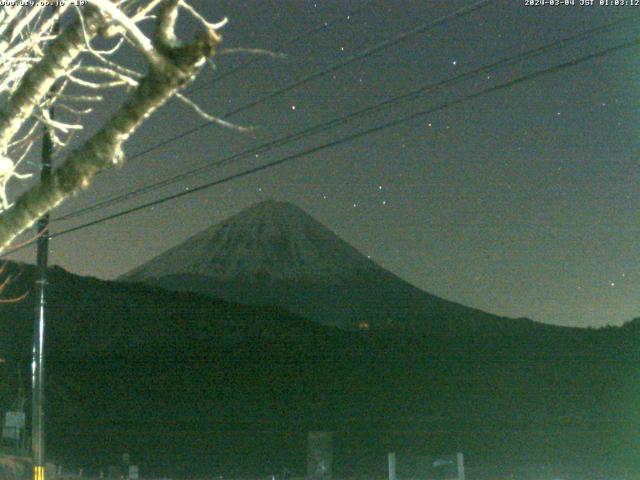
(332, 68)
(296, 38)
(407, 118)
(318, 128)
(325, 25)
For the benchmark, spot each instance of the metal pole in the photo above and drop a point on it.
(38, 397)
(38, 364)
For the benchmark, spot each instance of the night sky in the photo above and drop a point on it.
(522, 202)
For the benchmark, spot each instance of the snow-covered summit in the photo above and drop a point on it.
(271, 239)
(274, 253)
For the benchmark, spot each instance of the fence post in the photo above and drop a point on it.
(460, 460)
(392, 466)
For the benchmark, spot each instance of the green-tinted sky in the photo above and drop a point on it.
(522, 202)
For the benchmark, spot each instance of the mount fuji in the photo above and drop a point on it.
(274, 253)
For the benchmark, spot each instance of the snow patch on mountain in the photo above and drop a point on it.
(271, 239)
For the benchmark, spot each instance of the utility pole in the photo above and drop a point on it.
(37, 416)
(37, 364)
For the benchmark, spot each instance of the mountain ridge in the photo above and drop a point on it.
(274, 253)
(183, 378)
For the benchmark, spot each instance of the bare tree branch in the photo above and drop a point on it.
(38, 81)
(172, 65)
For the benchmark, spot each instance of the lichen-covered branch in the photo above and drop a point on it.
(179, 64)
(36, 83)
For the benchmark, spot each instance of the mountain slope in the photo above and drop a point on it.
(275, 253)
(189, 385)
